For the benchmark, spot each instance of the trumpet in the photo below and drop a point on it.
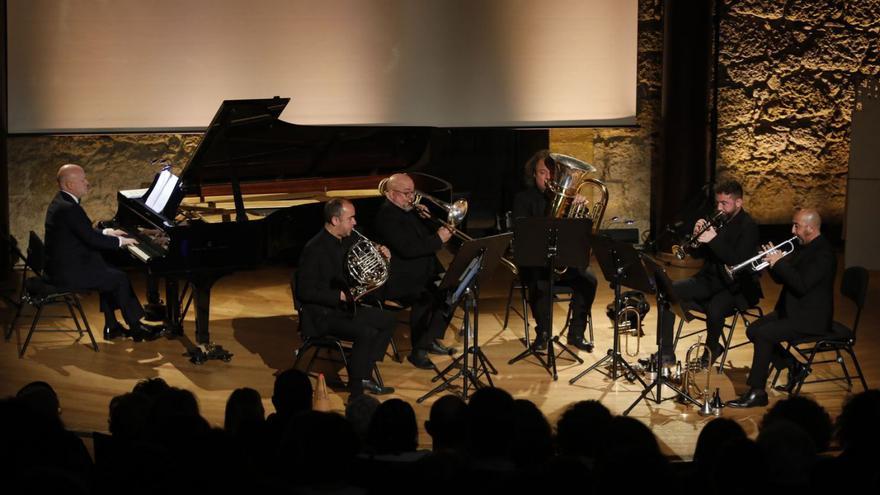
(755, 262)
(691, 241)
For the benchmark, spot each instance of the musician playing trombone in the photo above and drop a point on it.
(805, 306)
(402, 226)
(710, 291)
(533, 202)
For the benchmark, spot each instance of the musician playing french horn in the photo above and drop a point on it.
(710, 290)
(805, 306)
(322, 290)
(533, 202)
(403, 226)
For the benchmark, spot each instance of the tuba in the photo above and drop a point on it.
(366, 266)
(569, 177)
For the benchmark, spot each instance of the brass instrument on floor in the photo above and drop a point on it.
(633, 308)
(367, 267)
(755, 262)
(569, 177)
(691, 241)
(694, 365)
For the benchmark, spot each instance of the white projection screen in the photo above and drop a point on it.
(143, 65)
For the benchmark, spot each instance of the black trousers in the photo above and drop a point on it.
(583, 285)
(115, 292)
(708, 296)
(767, 334)
(369, 330)
(428, 317)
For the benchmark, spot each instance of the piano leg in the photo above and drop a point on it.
(172, 298)
(201, 288)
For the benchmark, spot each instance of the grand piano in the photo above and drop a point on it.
(252, 194)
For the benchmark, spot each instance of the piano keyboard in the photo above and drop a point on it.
(138, 253)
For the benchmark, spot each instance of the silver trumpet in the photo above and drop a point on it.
(755, 262)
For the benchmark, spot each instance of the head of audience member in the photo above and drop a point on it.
(72, 179)
(292, 393)
(806, 225)
(729, 198)
(244, 406)
(339, 217)
(577, 427)
(805, 413)
(359, 412)
(490, 415)
(321, 446)
(393, 429)
(400, 191)
(532, 443)
(40, 398)
(175, 403)
(713, 440)
(151, 387)
(128, 416)
(537, 170)
(789, 453)
(447, 424)
(857, 426)
(627, 442)
(738, 456)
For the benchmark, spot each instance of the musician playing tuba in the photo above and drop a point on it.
(404, 228)
(322, 292)
(534, 201)
(710, 291)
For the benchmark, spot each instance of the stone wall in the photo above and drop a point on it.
(788, 71)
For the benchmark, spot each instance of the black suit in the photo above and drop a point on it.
(805, 307)
(710, 291)
(320, 277)
(74, 261)
(414, 268)
(532, 203)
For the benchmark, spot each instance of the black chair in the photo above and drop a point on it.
(335, 350)
(853, 286)
(38, 292)
(17, 262)
(747, 315)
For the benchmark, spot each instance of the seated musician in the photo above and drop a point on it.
(533, 202)
(414, 266)
(710, 290)
(321, 291)
(805, 307)
(73, 258)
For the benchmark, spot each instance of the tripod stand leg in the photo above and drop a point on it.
(563, 349)
(592, 367)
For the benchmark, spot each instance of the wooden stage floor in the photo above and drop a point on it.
(252, 316)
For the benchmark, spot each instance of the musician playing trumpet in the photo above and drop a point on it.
(710, 290)
(805, 306)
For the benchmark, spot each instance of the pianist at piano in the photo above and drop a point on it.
(73, 258)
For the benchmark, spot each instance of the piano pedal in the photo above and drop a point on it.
(205, 352)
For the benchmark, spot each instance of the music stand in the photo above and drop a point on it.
(550, 243)
(621, 266)
(474, 261)
(667, 300)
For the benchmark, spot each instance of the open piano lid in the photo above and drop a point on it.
(246, 142)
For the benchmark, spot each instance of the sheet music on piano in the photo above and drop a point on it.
(161, 190)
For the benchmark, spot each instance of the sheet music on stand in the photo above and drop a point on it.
(160, 192)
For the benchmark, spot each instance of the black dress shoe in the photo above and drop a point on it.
(113, 332)
(581, 343)
(376, 389)
(540, 342)
(753, 398)
(440, 349)
(140, 333)
(419, 359)
(666, 360)
(797, 373)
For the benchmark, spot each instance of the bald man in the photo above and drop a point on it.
(414, 266)
(805, 307)
(74, 261)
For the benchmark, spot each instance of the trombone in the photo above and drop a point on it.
(755, 262)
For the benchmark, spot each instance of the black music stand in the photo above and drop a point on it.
(475, 261)
(667, 300)
(550, 243)
(621, 266)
